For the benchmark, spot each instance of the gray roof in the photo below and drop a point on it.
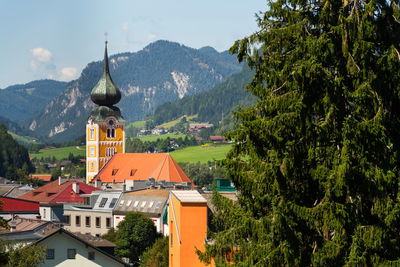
(103, 201)
(189, 196)
(151, 202)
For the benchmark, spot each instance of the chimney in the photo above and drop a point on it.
(124, 187)
(59, 180)
(97, 183)
(75, 187)
(13, 225)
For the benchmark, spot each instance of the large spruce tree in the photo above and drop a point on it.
(316, 160)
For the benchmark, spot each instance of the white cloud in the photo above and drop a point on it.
(125, 27)
(44, 67)
(68, 74)
(41, 54)
(151, 37)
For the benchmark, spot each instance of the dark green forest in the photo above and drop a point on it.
(14, 158)
(316, 158)
(213, 105)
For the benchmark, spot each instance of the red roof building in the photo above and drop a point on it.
(60, 192)
(15, 205)
(142, 166)
(43, 177)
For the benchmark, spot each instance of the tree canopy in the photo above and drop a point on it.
(135, 234)
(316, 158)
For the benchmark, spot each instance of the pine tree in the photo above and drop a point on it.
(316, 160)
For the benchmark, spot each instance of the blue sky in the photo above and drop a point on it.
(57, 38)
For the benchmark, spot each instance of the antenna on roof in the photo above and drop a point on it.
(105, 37)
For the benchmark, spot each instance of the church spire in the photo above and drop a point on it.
(105, 93)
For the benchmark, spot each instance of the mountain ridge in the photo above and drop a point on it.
(163, 71)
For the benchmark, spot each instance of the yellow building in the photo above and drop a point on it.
(105, 135)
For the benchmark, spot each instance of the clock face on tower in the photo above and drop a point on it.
(111, 122)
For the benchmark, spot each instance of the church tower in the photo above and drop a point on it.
(105, 133)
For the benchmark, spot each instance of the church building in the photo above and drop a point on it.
(105, 135)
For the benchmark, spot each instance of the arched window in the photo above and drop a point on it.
(110, 133)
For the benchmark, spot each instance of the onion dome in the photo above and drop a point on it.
(105, 93)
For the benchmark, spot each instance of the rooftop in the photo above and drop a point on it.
(189, 196)
(142, 166)
(150, 202)
(59, 193)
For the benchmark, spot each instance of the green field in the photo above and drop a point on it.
(137, 124)
(201, 154)
(163, 136)
(21, 139)
(60, 153)
(170, 124)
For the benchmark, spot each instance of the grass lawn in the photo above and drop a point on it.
(137, 124)
(22, 139)
(201, 154)
(60, 153)
(163, 136)
(170, 124)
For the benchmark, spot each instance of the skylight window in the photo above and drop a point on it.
(121, 203)
(151, 204)
(129, 203)
(136, 203)
(114, 172)
(112, 203)
(103, 202)
(143, 204)
(158, 205)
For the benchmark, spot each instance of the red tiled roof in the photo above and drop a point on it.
(142, 166)
(53, 192)
(216, 138)
(43, 177)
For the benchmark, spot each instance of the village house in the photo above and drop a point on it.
(158, 168)
(11, 207)
(64, 248)
(150, 202)
(95, 216)
(52, 196)
(187, 218)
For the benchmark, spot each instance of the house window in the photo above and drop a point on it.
(108, 222)
(87, 221)
(91, 134)
(112, 203)
(110, 133)
(110, 151)
(103, 202)
(71, 253)
(136, 203)
(129, 203)
(78, 220)
(50, 254)
(67, 220)
(91, 151)
(143, 204)
(98, 224)
(91, 255)
(44, 213)
(121, 203)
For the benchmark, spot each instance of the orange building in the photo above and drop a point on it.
(105, 135)
(187, 217)
(142, 166)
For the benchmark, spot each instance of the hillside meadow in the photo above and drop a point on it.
(203, 154)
